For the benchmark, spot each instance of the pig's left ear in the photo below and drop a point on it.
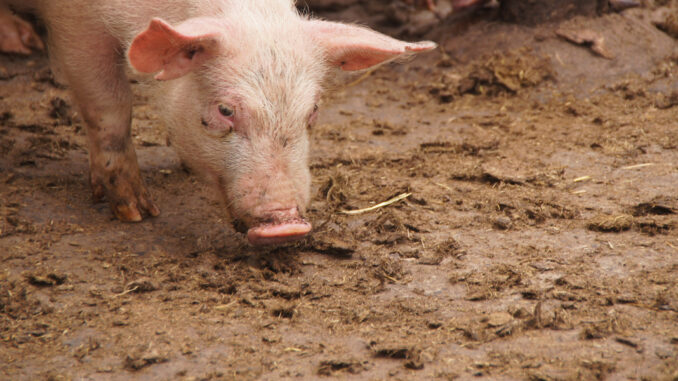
(352, 47)
(173, 52)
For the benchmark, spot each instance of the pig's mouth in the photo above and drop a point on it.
(280, 226)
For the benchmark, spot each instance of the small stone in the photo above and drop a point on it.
(663, 353)
(141, 285)
(503, 223)
(499, 319)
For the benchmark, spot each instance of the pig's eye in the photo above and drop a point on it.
(226, 110)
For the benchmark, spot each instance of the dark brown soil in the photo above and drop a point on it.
(539, 242)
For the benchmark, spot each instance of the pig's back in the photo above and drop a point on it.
(123, 19)
(120, 18)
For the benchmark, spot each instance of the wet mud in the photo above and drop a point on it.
(535, 238)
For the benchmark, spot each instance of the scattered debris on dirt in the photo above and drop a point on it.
(61, 111)
(141, 285)
(411, 355)
(658, 206)
(587, 38)
(537, 241)
(333, 367)
(664, 102)
(46, 278)
(608, 223)
(494, 75)
(613, 324)
(143, 357)
(668, 23)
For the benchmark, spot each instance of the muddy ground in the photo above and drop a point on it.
(540, 239)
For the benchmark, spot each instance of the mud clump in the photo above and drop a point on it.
(17, 303)
(507, 72)
(497, 74)
(611, 324)
(143, 357)
(284, 311)
(588, 38)
(657, 224)
(411, 354)
(86, 349)
(337, 188)
(60, 111)
(607, 223)
(657, 206)
(669, 25)
(663, 101)
(334, 367)
(46, 279)
(438, 252)
(390, 271)
(141, 285)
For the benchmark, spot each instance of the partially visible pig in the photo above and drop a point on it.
(237, 83)
(16, 35)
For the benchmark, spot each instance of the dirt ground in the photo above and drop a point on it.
(539, 242)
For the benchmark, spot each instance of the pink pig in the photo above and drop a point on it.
(236, 81)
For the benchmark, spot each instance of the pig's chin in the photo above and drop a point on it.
(275, 234)
(274, 228)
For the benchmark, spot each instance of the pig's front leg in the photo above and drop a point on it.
(114, 172)
(16, 35)
(95, 71)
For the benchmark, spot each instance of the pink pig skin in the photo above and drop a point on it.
(236, 84)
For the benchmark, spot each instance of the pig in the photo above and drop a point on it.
(237, 83)
(16, 35)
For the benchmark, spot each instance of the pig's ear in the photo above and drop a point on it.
(172, 52)
(352, 47)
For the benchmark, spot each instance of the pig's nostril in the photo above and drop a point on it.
(278, 217)
(275, 213)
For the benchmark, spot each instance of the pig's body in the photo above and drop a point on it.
(237, 85)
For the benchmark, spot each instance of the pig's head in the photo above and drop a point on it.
(237, 97)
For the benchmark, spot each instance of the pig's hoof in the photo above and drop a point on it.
(128, 200)
(276, 234)
(131, 211)
(17, 36)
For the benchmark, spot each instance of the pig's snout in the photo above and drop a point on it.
(278, 226)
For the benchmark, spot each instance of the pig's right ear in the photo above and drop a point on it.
(171, 52)
(352, 47)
